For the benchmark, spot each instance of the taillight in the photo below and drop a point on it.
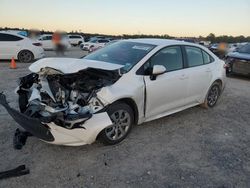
(37, 44)
(225, 65)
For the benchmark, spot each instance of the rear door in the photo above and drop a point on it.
(47, 42)
(200, 69)
(10, 45)
(168, 91)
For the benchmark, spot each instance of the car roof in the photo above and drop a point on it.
(161, 42)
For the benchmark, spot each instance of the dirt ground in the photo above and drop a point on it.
(193, 148)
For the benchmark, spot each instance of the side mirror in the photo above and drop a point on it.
(157, 70)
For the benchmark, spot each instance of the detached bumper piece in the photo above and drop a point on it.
(20, 138)
(19, 171)
(31, 125)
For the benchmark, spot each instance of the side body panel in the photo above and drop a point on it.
(168, 92)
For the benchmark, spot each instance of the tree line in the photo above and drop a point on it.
(211, 37)
(225, 38)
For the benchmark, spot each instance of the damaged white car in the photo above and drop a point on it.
(73, 102)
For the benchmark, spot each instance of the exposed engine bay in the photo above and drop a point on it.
(67, 100)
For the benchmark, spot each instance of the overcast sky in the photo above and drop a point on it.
(173, 17)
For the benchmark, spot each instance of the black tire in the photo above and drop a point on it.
(80, 42)
(213, 95)
(113, 110)
(25, 56)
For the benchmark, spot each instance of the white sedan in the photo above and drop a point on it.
(95, 43)
(75, 40)
(47, 43)
(19, 47)
(76, 101)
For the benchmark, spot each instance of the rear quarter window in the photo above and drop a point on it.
(207, 58)
(9, 37)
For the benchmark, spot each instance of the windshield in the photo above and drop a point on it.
(123, 53)
(93, 40)
(245, 49)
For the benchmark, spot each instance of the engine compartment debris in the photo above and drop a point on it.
(20, 138)
(66, 99)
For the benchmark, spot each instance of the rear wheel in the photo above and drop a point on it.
(122, 117)
(213, 95)
(25, 56)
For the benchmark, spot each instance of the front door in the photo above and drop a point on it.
(168, 91)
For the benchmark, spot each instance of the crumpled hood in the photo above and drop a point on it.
(71, 65)
(239, 55)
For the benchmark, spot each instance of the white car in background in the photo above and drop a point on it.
(99, 47)
(47, 43)
(75, 39)
(68, 101)
(94, 43)
(19, 47)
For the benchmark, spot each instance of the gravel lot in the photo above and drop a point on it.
(193, 148)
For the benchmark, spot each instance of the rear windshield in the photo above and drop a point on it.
(245, 49)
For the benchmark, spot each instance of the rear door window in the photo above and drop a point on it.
(194, 56)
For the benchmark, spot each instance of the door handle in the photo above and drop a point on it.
(208, 70)
(183, 77)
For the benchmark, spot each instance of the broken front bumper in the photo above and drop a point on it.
(54, 134)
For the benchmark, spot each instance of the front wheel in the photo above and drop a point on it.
(122, 117)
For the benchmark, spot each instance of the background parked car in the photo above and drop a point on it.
(219, 49)
(19, 47)
(94, 44)
(75, 39)
(239, 61)
(47, 43)
(214, 47)
(205, 43)
(99, 47)
(232, 47)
